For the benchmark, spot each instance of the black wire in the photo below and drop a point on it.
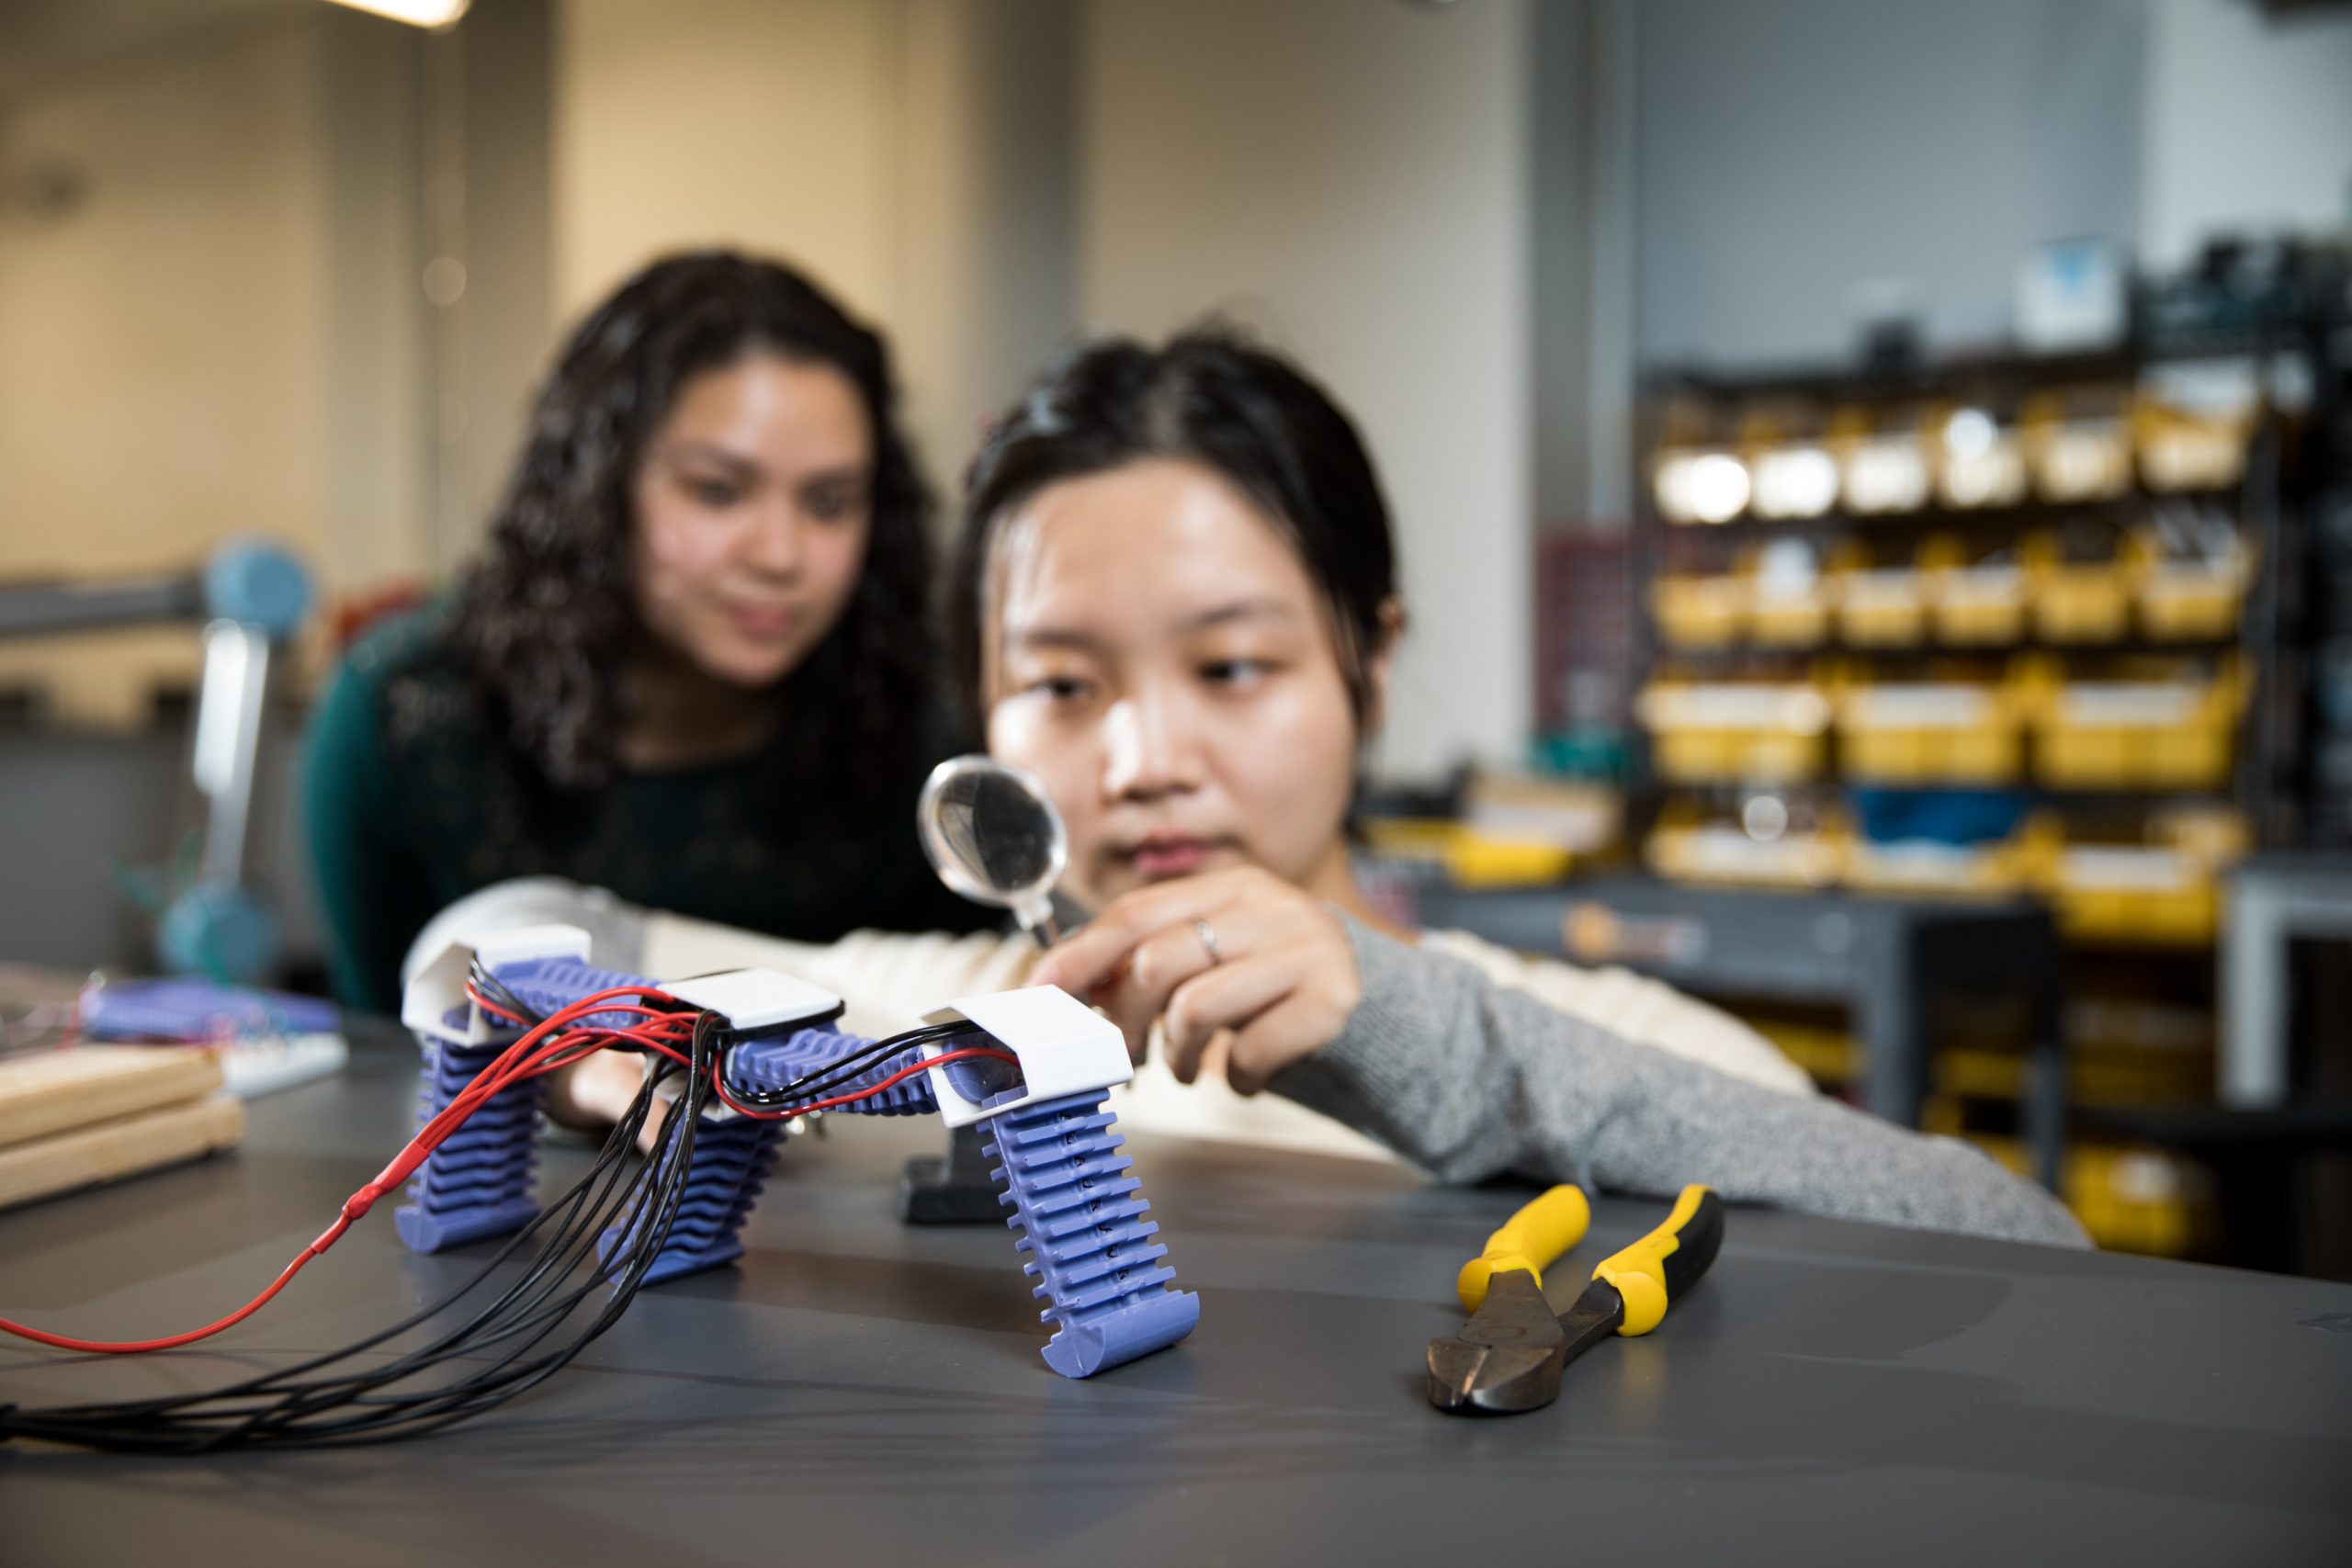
(810, 1085)
(204, 1432)
(836, 1074)
(608, 1164)
(479, 977)
(283, 1410)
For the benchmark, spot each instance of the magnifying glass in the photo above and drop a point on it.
(994, 837)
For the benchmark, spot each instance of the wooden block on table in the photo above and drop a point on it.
(141, 1141)
(85, 1084)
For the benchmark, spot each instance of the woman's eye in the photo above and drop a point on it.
(1061, 688)
(715, 492)
(1235, 673)
(834, 503)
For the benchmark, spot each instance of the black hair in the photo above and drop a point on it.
(543, 619)
(1214, 397)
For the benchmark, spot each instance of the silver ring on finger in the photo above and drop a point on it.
(1208, 941)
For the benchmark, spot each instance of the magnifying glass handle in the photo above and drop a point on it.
(1037, 919)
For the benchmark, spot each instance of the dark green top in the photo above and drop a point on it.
(411, 805)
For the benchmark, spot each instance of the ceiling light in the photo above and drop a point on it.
(415, 13)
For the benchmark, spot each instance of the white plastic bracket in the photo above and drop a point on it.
(754, 1002)
(439, 988)
(1063, 1045)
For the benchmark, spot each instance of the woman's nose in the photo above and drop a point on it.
(774, 544)
(1149, 748)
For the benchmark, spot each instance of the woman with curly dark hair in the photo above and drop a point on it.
(694, 663)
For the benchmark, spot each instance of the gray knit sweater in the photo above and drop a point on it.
(1469, 1080)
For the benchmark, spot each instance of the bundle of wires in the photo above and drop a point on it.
(495, 1343)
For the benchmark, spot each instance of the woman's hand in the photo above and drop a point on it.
(1240, 951)
(592, 1095)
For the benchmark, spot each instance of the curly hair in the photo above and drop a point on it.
(544, 618)
(1212, 397)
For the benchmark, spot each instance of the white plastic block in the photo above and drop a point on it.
(439, 988)
(1063, 1045)
(755, 999)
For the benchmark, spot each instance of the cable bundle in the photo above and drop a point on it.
(498, 1345)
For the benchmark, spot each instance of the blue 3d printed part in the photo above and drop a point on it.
(1076, 1198)
(480, 1181)
(731, 1165)
(1059, 1165)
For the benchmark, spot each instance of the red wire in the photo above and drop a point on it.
(906, 1072)
(524, 1059)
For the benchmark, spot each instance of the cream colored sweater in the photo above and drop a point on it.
(889, 980)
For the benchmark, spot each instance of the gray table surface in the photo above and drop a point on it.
(1833, 1393)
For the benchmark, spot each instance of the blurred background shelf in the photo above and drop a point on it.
(2017, 638)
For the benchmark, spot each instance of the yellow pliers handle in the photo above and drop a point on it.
(1659, 1268)
(1531, 1239)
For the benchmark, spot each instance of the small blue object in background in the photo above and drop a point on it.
(198, 1011)
(220, 928)
(258, 582)
(1939, 816)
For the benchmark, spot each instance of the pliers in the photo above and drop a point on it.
(1509, 1355)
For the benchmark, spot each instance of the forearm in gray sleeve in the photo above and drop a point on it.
(1469, 1080)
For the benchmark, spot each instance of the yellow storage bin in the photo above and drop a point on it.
(2084, 602)
(1709, 756)
(2163, 892)
(1796, 480)
(1984, 464)
(2138, 735)
(1930, 733)
(1469, 856)
(1700, 611)
(1480, 859)
(1883, 608)
(1981, 607)
(1723, 854)
(2182, 449)
(1791, 599)
(2078, 455)
(1697, 484)
(1924, 866)
(2200, 600)
(1789, 620)
(1831, 1056)
(2131, 1200)
(1885, 473)
(2135, 893)
(1760, 732)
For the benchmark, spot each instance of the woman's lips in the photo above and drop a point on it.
(1172, 857)
(761, 625)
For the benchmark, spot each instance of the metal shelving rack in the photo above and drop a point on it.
(2294, 504)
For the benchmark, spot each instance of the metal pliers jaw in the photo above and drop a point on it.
(1508, 1357)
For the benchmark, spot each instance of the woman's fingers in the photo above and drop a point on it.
(1087, 958)
(1224, 998)
(1274, 968)
(1292, 1029)
(595, 1092)
(598, 1090)
(1139, 991)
